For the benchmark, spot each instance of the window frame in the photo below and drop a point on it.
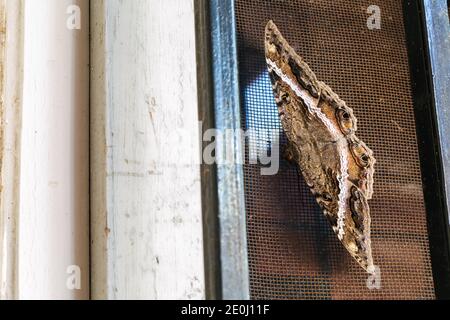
(427, 52)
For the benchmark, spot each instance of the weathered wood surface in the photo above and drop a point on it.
(10, 84)
(146, 215)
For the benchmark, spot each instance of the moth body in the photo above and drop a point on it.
(320, 128)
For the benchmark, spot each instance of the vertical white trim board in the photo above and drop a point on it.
(11, 93)
(54, 177)
(146, 214)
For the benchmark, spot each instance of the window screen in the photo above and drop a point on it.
(292, 251)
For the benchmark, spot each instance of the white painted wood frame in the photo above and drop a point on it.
(53, 219)
(146, 214)
(11, 93)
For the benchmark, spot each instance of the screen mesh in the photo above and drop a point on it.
(293, 253)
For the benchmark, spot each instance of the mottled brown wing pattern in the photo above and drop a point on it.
(320, 127)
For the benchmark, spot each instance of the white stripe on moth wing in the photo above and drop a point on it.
(312, 105)
(343, 193)
(310, 102)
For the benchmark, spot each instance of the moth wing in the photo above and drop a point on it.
(320, 129)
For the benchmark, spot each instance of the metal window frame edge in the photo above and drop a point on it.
(424, 36)
(437, 28)
(438, 32)
(230, 178)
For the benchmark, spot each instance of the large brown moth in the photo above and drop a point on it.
(320, 128)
